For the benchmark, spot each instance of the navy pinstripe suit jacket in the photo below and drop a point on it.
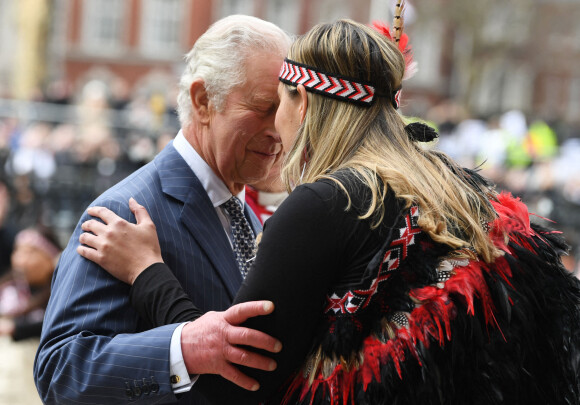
(93, 348)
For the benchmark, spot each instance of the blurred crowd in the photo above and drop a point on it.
(536, 160)
(62, 150)
(57, 153)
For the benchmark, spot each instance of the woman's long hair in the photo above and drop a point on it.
(372, 141)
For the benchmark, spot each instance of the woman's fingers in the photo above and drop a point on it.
(88, 253)
(122, 248)
(141, 214)
(89, 239)
(94, 226)
(105, 214)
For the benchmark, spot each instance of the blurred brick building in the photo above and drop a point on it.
(136, 42)
(490, 56)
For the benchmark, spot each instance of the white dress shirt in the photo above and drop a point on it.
(218, 194)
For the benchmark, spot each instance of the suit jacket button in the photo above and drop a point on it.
(129, 391)
(175, 379)
(146, 387)
(137, 389)
(154, 385)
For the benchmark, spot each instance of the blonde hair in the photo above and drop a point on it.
(373, 144)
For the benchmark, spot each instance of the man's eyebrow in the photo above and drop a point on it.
(264, 103)
(260, 99)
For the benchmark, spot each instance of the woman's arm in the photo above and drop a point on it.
(297, 261)
(158, 297)
(122, 249)
(131, 253)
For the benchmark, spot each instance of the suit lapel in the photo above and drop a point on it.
(199, 216)
(253, 219)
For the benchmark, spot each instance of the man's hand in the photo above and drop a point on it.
(120, 247)
(210, 344)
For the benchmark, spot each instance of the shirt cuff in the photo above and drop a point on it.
(181, 381)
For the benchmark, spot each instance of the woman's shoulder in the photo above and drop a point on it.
(328, 192)
(341, 182)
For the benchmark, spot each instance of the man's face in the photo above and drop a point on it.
(242, 140)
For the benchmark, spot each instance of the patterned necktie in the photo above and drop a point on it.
(244, 240)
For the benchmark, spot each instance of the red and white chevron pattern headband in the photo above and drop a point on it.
(335, 86)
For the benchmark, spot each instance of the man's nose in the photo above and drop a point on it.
(272, 133)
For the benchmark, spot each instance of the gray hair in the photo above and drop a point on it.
(218, 58)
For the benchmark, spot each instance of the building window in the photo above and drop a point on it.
(553, 87)
(574, 99)
(517, 88)
(576, 38)
(103, 25)
(161, 27)
(284, 14)
(330, 10)
(486, 96)
(427, 40)
(229, 7)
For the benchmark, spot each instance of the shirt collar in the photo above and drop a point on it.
(215, 188)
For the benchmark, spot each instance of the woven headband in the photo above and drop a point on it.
(330, 85)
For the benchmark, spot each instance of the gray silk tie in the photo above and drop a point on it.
(244, 240)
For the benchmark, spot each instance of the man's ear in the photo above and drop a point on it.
(199, 101)
(303, 102)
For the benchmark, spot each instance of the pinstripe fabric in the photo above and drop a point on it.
(93, 346)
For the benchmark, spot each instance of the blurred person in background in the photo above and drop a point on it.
(32, 155)
(24, 292)
(265, 196)
(8, 229)
(31, 166)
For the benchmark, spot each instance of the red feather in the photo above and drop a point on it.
(404, 47)
(513, 220)
(430, 321)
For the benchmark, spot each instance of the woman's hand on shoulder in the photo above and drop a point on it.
(120, 247)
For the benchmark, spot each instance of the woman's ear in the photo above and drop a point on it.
(303, 102)
(199, 101)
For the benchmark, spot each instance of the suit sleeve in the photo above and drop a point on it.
(90, 351)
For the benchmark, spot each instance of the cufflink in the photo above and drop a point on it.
(175, 379)
(146, 387)
(154, 385)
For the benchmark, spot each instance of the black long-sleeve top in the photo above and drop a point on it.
(311, 244)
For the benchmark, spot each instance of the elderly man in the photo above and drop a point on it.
(94, 348)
